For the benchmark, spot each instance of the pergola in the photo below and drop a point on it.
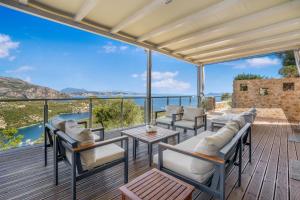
(196, 31)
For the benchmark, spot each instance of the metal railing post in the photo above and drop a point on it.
(45, 120)
(168, 101)
(180, 101)
(122, 113)
(90, 113)
(190, 101)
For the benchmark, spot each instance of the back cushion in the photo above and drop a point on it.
(248, 116)
(59, 123)
(240, 120)
(211, 145)
(173, 109)
(190, 113)
(84, 137)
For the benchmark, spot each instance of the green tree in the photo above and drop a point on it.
(225, 96)
(249, 77)
(109, 115)
(9, 138)
(288, 68)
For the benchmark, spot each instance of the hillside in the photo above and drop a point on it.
(17, 88)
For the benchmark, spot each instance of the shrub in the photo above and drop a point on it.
(108, 113)
(249, 77)
(9, 138)
(225, 96)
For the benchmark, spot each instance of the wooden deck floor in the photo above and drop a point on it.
(23, 176)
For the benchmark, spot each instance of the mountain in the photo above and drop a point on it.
(75, 92)
(72, 90)
(17, 88)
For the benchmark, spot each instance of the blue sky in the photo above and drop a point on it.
(57, 56)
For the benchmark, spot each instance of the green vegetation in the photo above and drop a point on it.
(289, 68)
(225, 97)
(9, 138)
(249, 77)
(108, 114)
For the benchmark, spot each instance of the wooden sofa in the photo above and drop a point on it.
(176, 160)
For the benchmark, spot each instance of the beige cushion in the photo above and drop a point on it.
(164, 120)
(173, 109)
(181, 163)
(188, 124)
(210, 145)
(248, 116)
(107, 153)
(240, 120)
(191, 112)
(84, 137)
(59, 123)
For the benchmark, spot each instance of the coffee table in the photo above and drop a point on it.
(154, 185)
(140, 134)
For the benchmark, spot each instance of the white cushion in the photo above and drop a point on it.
(106, 154)
(191, 112)
(210, 145)
(240, 120)
(248, 116)
(173, 109)
(84, 137)
(181, 163)
(59, 123)
(164, 120)
(187, 124)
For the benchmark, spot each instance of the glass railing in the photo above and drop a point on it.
(22, 120)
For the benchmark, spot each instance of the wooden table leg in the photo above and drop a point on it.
(150, 154)
(134, 148)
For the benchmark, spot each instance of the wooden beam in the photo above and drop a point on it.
(249, 53)
(261, 42)
(253, 19)
(138, 15)
(202, 14)
(281, 27)
(85, 9)
(25, 2)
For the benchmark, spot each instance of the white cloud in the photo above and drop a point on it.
(6, 45)
(165, 80)
(11, 58)
(134, 75)
(27, 79)
(171, 84)
(256, 63)
(20, 70)
(111, 48)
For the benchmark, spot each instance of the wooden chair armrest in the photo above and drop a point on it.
(213, 159)
(174, 116)
(50, 127)
(102, 143)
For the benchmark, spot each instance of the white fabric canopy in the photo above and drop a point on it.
(196, 31)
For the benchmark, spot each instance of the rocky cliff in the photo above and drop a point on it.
(17, 88)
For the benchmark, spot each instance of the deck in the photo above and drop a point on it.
(23, 176)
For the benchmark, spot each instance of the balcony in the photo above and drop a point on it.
(23, 175)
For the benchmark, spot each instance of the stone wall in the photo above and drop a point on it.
(288, 101)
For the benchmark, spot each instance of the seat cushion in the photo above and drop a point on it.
(106, 154)
(185, 123)
(180, 163)
(164, 120)
(211, 145)
(174, 109)
(191, 112)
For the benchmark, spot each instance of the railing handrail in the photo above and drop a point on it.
(88, 98)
